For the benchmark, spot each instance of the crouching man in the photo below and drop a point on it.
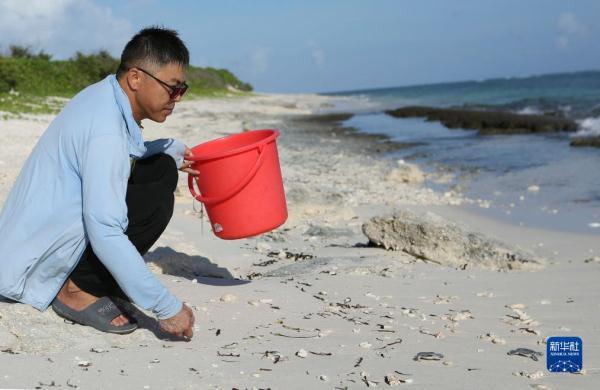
(93, 197)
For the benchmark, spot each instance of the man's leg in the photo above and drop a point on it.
(150, 203)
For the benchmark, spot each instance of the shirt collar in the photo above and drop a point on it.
(134, 133)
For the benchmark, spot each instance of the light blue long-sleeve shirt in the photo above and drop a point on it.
(71, 192)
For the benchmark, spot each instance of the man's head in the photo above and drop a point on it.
(152, 72)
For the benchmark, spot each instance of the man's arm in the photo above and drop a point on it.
(170, 146)
(104, 184)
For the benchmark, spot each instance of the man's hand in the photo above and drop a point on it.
(181, 324)
(186, 166)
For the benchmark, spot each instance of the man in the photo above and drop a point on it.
(93, 197)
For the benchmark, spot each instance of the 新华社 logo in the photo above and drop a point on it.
(564, 354)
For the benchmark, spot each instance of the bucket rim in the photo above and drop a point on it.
(241, 149)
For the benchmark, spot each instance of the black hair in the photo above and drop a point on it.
(153, 46)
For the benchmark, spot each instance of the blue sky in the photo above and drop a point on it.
(327, 45)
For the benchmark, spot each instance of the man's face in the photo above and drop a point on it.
(152, 97)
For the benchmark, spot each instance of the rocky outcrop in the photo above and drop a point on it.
(432, 239)
(487, 122)
(586, 141)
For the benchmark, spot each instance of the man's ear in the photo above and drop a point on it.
(133, 79)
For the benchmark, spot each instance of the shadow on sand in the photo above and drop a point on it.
(179, 264)
(174, 263)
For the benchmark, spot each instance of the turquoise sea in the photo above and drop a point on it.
(504, 170)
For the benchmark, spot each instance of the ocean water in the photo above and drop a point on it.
(532, 180)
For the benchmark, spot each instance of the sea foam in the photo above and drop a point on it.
(588, 127)
(529, 110)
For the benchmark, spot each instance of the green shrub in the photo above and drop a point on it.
(37, 75)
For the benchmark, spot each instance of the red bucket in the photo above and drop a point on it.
(240, 183)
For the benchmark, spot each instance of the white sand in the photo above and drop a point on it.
(333, 321)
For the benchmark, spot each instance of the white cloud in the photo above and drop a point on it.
(568, 27)
(259, 59)
(318, 54)
(61, 27)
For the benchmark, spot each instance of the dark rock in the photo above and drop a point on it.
(486, 121)
(328, 118)
(291, 255)
(330, 128)
(525, 352)
(586, 141)
(428, 356)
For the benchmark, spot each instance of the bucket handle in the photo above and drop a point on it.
(233, 190)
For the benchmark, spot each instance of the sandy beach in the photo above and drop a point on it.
(312, 304)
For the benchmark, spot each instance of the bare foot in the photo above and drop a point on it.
(77, 299)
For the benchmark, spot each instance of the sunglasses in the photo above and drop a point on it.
(175, 90)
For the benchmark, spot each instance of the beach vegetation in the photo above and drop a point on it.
(32, 82)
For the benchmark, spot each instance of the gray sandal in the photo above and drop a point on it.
(98, 315)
